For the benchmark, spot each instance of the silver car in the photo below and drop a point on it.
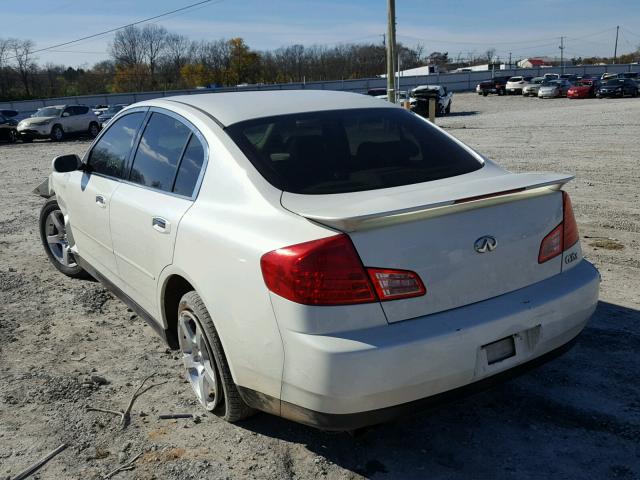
(532, 87)
(554, 89)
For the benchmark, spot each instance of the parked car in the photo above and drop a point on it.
(554, 89)
(495, 85)
(370, 263)
(8, 130)
(109, 113)
(583, 89)
(515, 84)
(569, 76)
(9, 113)
(58, 121)
(421, 95)
(377, 91)
(99, 109)
(551, 76)
(618, 87)
(608, 76)
(532, 86)
(631, 75)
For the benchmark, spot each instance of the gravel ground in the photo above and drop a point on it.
(66, 345)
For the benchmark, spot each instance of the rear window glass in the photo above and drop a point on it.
(349, 150)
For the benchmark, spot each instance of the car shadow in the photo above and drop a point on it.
(578, 413)
(462, 114)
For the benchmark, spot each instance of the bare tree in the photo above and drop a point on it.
(127, 47)
(489, 54)
(22, 54)
(154, 41)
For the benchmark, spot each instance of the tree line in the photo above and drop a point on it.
(153, 58)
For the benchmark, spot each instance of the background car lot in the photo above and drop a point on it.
(578, 414)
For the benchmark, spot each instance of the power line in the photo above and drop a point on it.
(187, 7)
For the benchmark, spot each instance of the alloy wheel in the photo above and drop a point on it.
(57, 239)
(198, 362)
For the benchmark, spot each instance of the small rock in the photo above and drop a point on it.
(99, 380)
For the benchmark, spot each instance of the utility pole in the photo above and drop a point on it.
(561, 54)
(615, 50)
(391, 50)
(509, 60)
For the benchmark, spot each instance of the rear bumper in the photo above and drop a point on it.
(366, 376)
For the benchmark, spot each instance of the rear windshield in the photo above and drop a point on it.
(349, 150)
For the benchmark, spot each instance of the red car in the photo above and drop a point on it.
(583, 89)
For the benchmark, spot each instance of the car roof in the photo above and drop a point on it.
(233, 107)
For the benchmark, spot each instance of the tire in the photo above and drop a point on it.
(54, 240)
(196, 331)
(484, 94)
(447, 110)
(13, 136)
(94, 129)
(57, 134)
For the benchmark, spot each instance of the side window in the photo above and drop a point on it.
(110, 153)
(81, 110)
(190, 167)
(67, 112)
(159, 152)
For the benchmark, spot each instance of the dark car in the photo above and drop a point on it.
(495, 85)
(8, 113)
(618, 87)
(8, 130)
(374, 92)
(631, 75)
(569, 76)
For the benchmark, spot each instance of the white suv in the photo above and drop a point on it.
(323, 256)
(57, 121)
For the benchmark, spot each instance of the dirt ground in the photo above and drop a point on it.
(68, 344)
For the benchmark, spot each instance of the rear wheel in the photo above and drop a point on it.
(204, 361)
(13, 136)
(53, 233)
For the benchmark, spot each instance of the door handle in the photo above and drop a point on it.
(100, 201)
(160, 224)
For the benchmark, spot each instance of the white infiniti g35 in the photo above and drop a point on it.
(318, 255)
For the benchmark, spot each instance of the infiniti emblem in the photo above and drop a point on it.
(485, 244)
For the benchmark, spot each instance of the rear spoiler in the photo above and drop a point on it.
(347, 213)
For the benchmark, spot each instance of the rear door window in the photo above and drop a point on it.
(190, 167)
(349, 150)
(110, 153)
(162, 144)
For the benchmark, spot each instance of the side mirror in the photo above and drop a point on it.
(66, 163)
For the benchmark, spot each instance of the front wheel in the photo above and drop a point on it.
(204, 361)
(53, 233)
(13, 136)
(57, 134)
(94, 129)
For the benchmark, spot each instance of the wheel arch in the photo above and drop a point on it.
(174, 287)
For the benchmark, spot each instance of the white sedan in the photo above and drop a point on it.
(319, 255)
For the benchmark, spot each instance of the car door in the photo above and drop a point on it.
(88, 192)
(146, 209)
(80, 119)
(67, 119)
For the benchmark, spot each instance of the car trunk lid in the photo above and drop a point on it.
(433, 229)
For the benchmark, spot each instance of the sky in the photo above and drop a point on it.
(521, 27)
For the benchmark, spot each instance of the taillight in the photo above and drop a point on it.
(329, 272)
(394, 284)
(563, 237)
